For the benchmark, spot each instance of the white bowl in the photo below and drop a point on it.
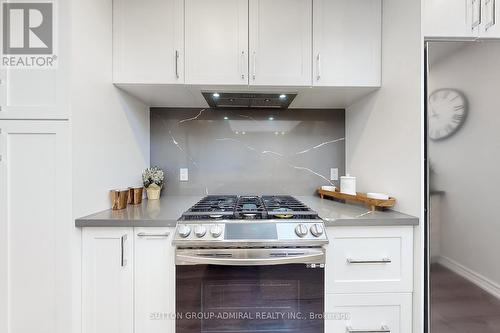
(378, 196)
(328, 188)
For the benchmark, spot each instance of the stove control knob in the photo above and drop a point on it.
(317, 230)
(216, 231)
(200, 231)
(184, 230)
(301, 230)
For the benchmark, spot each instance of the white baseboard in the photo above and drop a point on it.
(479, 280)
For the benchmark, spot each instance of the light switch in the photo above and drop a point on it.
(184, 174)
(334, 174)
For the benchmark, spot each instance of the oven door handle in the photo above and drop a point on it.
(250, 258)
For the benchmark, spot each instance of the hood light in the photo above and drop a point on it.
(216, 95)
(282, 96)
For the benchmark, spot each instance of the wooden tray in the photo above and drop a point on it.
(359, 197)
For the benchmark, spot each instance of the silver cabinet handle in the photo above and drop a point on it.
(493, 21)
(361, 261)
(383, 329)
(318, 60)
(254, 65)
(242, 59)
(176, 63)
(476, 8)
(123, 262)
(147, 234)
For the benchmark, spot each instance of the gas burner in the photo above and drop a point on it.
(250, 208)
(287, 207)
(212, 207)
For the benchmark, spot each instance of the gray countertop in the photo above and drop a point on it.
(166, 211)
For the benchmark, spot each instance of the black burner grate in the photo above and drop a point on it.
(229, 207)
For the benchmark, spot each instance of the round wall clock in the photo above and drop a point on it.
(447, 112)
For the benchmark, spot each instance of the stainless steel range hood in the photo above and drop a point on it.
(248, 100)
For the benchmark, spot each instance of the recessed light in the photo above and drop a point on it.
(216, 95)
(243, 133)
(282, 96)
(271, 118)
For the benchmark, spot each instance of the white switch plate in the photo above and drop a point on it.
(184, 175)
(334, 174)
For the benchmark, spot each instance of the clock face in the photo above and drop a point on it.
(447, 112)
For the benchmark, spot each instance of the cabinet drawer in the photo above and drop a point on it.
(368, 313)
(369, 259)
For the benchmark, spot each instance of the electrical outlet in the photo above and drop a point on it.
(334, 174)
(184, 175)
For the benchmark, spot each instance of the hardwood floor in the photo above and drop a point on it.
(459, 306)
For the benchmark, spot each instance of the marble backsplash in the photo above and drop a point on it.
(248, 151)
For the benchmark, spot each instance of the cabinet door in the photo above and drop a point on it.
(30, 93)
(280, 42)
(107, 280)
(148, 41)
(452, 18)
(35, 227)
(216, 42)
(154, 280)
(347, 42)
(368, 313)
(490, 27)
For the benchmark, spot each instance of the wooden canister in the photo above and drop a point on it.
(135, 195)
(119, 199)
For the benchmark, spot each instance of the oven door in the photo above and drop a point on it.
(250, 290)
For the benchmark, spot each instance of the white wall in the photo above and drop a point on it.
(110, 128)
(466, 165)
(384, 130)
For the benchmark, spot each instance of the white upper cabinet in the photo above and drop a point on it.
(148, 41)
(462, 19)
(451, 18)
(280, 42)
(347, 42)
(216, 40)
(490, 26)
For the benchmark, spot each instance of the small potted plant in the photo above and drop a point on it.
(153, 179)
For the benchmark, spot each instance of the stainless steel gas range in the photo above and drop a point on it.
(250, 264)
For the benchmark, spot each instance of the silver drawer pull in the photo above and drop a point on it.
(383, 329)
(146, 234)
(360, 261)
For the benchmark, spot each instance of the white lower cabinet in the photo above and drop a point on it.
(108, 280)
(358, 313)
(154, 280)
(369, 259)
(369, 279)
(128, 280)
